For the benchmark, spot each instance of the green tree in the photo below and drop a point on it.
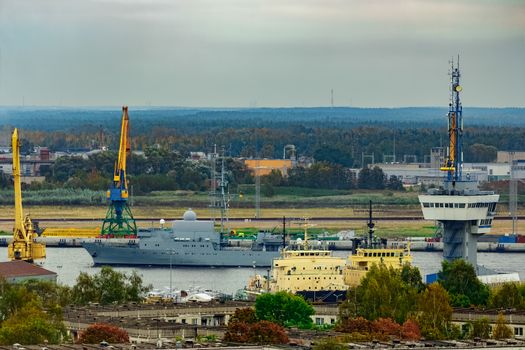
(502, 329)
(107, 287)
(506, 295)
(5, 180)
(480, 153)
(479, 328)
(382, 294)
(54, 296)
(333, 155)
(31, 325)
(274, 178)
(67, 167)
(394, 184)
(434, 312)
(412, 277)
(13, 298)
(371, 179)
(460, 280)
(285, 309)
(26, 146)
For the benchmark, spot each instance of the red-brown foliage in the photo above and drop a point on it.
(262, 332)
(246, 315)
(386, 326)
(98, 332)
(266, 332)
(382, 328)
(352, 325)
(237, 332)
(410, 330)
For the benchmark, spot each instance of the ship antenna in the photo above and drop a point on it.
(370, 225)
(305, 233)
(284, 231)
(454, 160)
(224, 196)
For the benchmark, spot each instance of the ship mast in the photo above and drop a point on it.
(370, 225)
(223, 185)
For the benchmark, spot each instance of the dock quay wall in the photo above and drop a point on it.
(422, 246)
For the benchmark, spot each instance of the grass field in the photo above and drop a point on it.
(384, 227)
(293, 203)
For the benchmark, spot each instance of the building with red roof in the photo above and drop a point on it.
(18, 271)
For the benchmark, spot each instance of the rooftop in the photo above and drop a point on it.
(19, 268)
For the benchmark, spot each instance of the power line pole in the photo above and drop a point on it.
(513, 195)
(257, 189)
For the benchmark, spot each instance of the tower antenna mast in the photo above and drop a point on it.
(454, 160)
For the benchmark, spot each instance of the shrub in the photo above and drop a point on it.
(98, 332)
(262, 332)
(502, 330)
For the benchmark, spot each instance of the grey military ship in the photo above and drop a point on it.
(189, 242)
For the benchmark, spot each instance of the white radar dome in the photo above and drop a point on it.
(189, 215)
(162, 221)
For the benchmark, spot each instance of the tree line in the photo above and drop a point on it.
(322, 140)
(161, 169)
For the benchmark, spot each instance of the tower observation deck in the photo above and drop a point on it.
(463, 210)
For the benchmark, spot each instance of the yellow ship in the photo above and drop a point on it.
(321, 277)
(364, 258)
(312, 273)
(374, 252)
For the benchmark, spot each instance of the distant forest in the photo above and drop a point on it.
(335, 135)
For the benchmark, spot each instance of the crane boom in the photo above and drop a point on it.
(119, 220)
(120, 168)
(23, 246)
(15, 144)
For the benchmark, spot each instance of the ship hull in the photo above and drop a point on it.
(133, 255)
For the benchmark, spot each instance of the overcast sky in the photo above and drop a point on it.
(241, 53)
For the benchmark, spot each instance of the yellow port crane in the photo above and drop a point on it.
(119, 220)
(23, 246)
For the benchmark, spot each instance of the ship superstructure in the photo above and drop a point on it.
(464, 211)
(373, 251)
(314, 273)
(189, 242)
(319, 276)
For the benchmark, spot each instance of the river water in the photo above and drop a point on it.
(69, 262)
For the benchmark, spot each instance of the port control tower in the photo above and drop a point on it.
(464, 211)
